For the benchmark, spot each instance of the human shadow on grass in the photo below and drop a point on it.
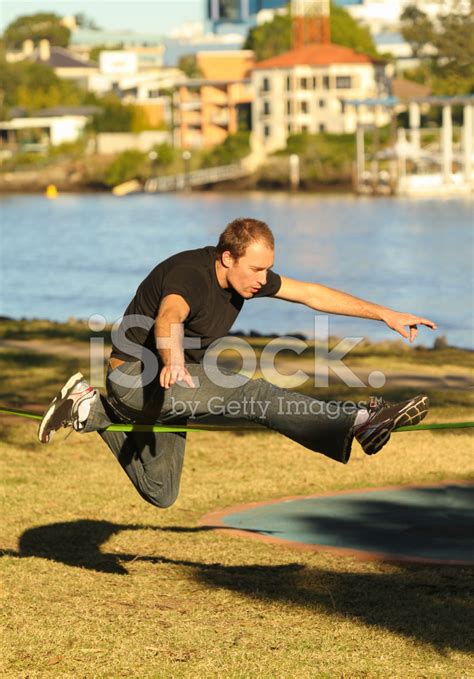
(78, 543)
(431, 605)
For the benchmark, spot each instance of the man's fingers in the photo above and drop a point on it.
(171, 375)
(162, 378)
(185, 377)
(189, 380)
(165, 378)
(398, 322)
(401, 330)
(430, 324)
(423, 321)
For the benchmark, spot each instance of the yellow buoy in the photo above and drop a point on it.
(51, 191)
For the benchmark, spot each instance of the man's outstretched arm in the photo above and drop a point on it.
(330, 301)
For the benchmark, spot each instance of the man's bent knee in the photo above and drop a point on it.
(157, 494)
(160, 500)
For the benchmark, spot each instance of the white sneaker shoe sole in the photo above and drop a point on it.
(43, 435)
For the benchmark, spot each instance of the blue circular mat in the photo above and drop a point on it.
(423, 523)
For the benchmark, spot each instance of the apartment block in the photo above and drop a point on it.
(207, 109)
(306, 90)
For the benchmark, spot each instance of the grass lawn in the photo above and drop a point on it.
(97, 583)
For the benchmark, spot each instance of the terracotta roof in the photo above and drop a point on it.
(316, 55)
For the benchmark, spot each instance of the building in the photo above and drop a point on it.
(65, 64)
(384, 15)
(154, 50)
(208, 109)
(82, 39)
(120, 72)
(48, 127)
(134, 75)
(226, 16)
(304, 90)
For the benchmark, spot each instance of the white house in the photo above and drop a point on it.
(304, 90)
(47, 127)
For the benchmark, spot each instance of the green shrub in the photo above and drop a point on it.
(166, 155)
(114, 117)
(71, 149)
(128, 165)
(235, 147)
(24, 160)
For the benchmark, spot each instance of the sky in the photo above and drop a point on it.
(150, 16)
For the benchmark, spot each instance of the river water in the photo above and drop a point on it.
(81, 254)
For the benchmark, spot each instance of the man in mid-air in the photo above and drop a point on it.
(158, 360)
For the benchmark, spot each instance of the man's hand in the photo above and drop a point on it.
(175, 373)
(398, 322)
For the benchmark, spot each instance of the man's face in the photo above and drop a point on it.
(249, 273)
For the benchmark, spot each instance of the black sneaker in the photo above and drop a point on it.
(69, 408)
(385, 418)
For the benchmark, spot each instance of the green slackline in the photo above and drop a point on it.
(210, 427)
(136, 427)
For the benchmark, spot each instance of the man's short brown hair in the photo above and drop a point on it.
(240, 233)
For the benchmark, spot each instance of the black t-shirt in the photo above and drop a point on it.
(213, 310)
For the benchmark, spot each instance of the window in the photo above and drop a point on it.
(266, 108)
(304, 129)
(326, 82)
(322, 127)
(288, 83)
(315, 83)
(266, 85)
(289, 128)
(343, 82)
(303, 83)
(322, 103)
(266, 130)
(343, 106)
(288, 107)
(304, 107)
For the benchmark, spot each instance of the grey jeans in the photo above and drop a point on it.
(154, 461)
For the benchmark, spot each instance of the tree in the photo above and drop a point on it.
(83, 21)
(275, 37)
(451, 70)
(416, 28)
(347, 32)
(114, 117)
(36, 27)
(454, 42)
(271, 38)
(188, 64)
(35, 86)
